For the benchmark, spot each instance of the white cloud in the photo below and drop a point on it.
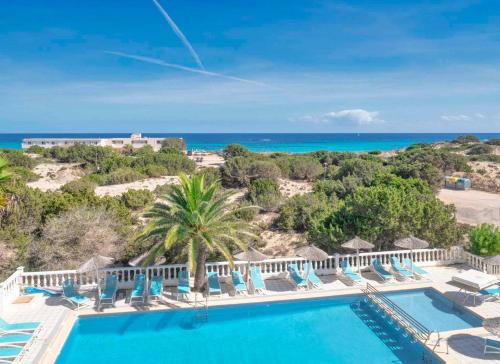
(350, 116)
(459, 117)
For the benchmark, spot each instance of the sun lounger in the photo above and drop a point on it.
(294, 274)
(183, 285)
(492, 293)
(491, 346)
(238, 282)
(156, 288)
(71, 295)
(19, 327)
(311, 277)
(257, 281)
(108, 294)
(9, 353)
(15, 339)
(379, 270)
(139, 292)
(473, 281)
(349, 274)
(415, 269)
(399, 270)
(213, 284)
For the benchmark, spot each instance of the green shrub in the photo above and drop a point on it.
(235, 150)
(162, 189)
(137, 199)
(121, 175)
(23, 174)
(35, 149)
(364, 170)
(82, 186)
(235, 172)
(153, 170)
(485, 240)
(375, 152)
(305, 168)
(494, 141)
(480, 149)
(173, 143)
(466, 139)
(264, 192)
(211, 175)
(246, 213)
(330, 187)
(16, 158)
(264, 169)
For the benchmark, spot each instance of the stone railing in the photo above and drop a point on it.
(10, 289)
(478, 263)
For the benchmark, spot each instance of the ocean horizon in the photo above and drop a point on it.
(273, 142)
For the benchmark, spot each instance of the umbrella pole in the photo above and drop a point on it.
(307, 273)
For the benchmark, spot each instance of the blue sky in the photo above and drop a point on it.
(269, 66)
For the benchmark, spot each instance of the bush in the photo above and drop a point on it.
(119, 176)
(364, 170)
(485, 240)
(162, 189)
(304, 168)
(375, 152)
(235, 150)
(264, 192)
(79, 187)
(264, 169)
(173, 143)
(235, 172)
(35, 149)
(16, 158)
(494, 141)
(153, 170)
(137, 199)
(479, 149)
(246, 213)
(466, 139)
(212, 175)
(23, 174)
(300, 212)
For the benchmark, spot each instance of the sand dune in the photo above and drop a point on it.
(473, 207)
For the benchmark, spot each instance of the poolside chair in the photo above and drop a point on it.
(347, 271)
(490, 294)
(183, 285)
(15, 339)
(491, 346)
(415, 269)
(311, 277)
(108, 294)
(156, 288)
(213, 284)
(239, 284)
(399, 270)
(9, 353)
(20, 327)
(294, 274)
(71, 295)
(379, 270)
(257, 281)
(139, 292)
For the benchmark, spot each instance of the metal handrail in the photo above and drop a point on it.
(407, 321)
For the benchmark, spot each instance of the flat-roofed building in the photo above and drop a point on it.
(136, 140)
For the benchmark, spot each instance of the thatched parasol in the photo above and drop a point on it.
(411, 243)
(357, 244)
(492, 325)
(96, 262)
(250, 255)
(311, 253)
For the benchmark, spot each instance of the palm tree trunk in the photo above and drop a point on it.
(199, 275)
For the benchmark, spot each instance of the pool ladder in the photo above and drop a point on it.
(201, 314)
(413, 327)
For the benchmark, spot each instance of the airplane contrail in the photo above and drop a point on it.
(183, 68)
(180, 35)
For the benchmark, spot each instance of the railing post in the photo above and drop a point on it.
(337, 263)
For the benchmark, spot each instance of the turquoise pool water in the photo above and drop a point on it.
(328, 330)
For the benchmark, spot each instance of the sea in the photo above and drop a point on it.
(274, 142)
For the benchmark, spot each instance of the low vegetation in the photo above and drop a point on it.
(485, 240)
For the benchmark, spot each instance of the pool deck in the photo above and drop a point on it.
(459, 346)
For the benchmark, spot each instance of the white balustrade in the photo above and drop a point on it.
(10, 289)
(478, 263)
(271, 268)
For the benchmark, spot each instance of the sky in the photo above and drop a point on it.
(250, 66)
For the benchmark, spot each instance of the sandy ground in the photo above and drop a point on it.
(473, 207)
(279, 244)
(291, 188)
(485, 176)
(146, 184)
(208, 160)
(54, 175)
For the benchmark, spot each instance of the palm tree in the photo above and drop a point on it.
(4, 177)
(198, 218)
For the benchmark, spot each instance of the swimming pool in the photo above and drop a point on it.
(326, 330)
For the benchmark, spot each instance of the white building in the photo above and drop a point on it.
(136, 140)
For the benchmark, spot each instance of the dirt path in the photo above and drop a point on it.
(473, 207)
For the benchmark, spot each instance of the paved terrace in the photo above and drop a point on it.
(57, 318)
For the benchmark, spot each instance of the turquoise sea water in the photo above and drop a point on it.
(293, 143)
(327, 330)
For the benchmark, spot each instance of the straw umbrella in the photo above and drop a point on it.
(411, 243)
(95, 263)
(311, 253)
(250, 255)
(492, 325)
(357, 244)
